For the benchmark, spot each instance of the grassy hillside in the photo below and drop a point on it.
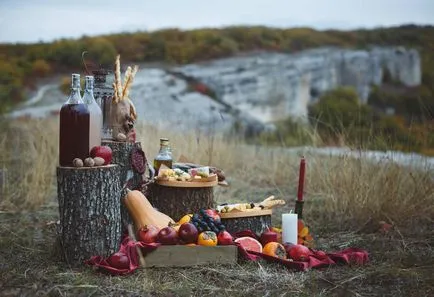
(22, 64)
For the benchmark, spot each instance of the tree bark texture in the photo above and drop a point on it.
(177, 202)
(121, 155)
(90, 214)
(257, 224)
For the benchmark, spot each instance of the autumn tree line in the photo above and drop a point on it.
(412, 120)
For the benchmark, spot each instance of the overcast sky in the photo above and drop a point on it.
(35, 20)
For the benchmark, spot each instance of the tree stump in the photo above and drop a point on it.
(122, 156)
(256, 221)
(178, 201)
(90, 214)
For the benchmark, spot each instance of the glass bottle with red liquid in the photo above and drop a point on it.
(74, 126)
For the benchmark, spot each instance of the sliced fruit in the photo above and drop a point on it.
(207, 238)
(274, 249)
(250, 244)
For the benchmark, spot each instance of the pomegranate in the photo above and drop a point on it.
(268, 236)
(298, 252)
(148, 234)
(119, 260)
(225, 238)
(102, 151)
(168, 236)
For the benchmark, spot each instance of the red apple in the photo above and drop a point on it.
(298, 252)
(168, 236)
(225, 238)
(188, 233)
(268, 236)
(119, 260)
(213, 214)
(148, 234)
(103, 151)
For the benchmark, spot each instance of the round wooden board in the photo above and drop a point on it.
(244, 214)
(87, 167)
(189, 184)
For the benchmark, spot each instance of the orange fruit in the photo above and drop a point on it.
(274, 249)
(207, 238)
(250, 244)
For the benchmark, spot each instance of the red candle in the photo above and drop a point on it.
(301, 176)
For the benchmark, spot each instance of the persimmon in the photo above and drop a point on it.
(207, 238)
(274, 249)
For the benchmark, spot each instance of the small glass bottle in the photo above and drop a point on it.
(74, 126)
(95, 124)
(164, 155)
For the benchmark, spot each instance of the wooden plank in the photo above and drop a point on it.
(245, 214)
(187, 256)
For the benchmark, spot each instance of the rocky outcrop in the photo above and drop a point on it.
(273, 86)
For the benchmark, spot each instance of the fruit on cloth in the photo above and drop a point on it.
(185, 219)
(119, 260)
(188, 233)
(148, 234)
(102, 151)
(77, 162)
(89, 162)
(298, 252)
(142, 212)
(249, 244)
(98, 161)
(168, 236)
(224, 238)
(275, 249)
(207, 238)
(268, 236)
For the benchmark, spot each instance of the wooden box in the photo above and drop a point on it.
(186, 256)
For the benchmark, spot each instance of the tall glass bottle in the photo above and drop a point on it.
(164, 155)
(95, 124)
(74, 126)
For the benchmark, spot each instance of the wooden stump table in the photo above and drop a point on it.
(177, 199)
(90, 214)
(121, 155)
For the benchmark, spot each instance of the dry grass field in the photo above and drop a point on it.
(345, 201)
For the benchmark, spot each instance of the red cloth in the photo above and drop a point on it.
(317, 259)
(128, 247)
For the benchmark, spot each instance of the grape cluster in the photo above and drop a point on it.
(204, 222)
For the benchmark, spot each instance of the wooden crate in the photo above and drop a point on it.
(186, 256)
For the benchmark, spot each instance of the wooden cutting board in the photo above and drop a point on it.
(211, 181)
(245, 214)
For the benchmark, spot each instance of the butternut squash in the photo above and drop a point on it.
(142, 212)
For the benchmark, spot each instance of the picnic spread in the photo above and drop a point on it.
(120, 212)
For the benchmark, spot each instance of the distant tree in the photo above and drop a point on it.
(40, 68)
